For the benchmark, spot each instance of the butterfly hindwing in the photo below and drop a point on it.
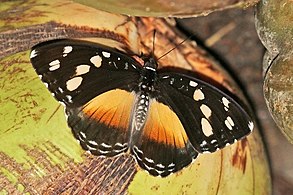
(162, 146)
(211, 118)
(77, 71)
(102, 124)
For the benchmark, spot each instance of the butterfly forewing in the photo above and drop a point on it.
(95, 83)
(211, 118)
(77, 71)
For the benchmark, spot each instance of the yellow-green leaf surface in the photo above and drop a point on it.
(39, 155)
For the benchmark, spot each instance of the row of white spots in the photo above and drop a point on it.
(170, 167)
(198, 95)
(229, 123)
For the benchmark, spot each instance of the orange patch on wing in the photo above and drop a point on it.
(112, 108)
(164, 126)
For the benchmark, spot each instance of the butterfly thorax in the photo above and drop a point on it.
(146, 86)
(148, 75)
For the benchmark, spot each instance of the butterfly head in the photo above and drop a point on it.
(149, 72)
(150, 64)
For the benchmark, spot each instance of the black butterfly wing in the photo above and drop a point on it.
(211, 118)
(95, 83)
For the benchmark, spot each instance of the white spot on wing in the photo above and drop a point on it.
(106, 145)
(106, 54)
(82, 69)
(33, 54)
(206, 127)
(149, 160)
(93, 142)
(250, 125)
(229, 122)
(226, 102)
(69, 98)
(229, 119)
(198, 95)
(203, 143)
(206, 110)
(96, 60)
(54, 65)
(192, 84)
(67, 50)
(82, 134)
(213, 141)
(73, 83)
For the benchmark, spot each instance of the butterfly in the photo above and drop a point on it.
(114, 104)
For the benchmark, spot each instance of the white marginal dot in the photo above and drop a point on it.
(250, 125)
(149, 160)
(54, 65)
(73, 83)
(103, 152)
(206, 127)
(69, 98)
(203, 143)
(198, 95)
(91, 148)
(96, 60)
(206, 110)
(93, 142)
(106, 145)
(121, 145)
(213, 141)
(60, 89)
(67, 50)
(170, 165)
(82, 69)
(192, 84)
(106, 54)
(160, 166)
(82, 134)
(33, 54)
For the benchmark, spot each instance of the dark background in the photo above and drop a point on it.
(230, 35)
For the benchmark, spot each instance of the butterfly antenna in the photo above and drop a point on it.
(176, 46)
(154, 36)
